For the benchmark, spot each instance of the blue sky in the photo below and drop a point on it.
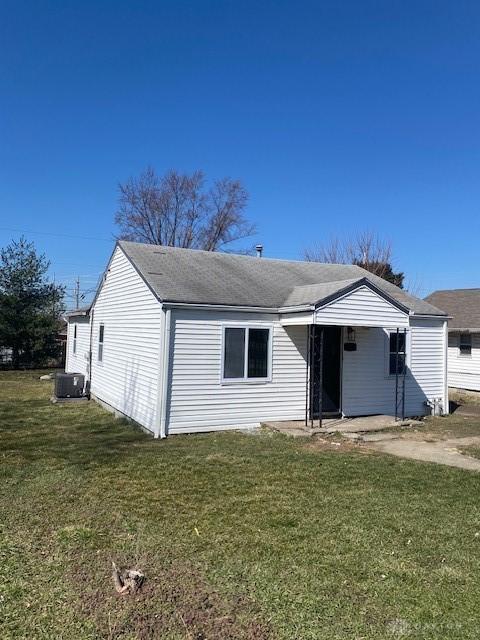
(337, 116)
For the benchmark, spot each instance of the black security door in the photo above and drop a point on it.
(331, 370)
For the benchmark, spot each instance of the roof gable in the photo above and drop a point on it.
(362, 305)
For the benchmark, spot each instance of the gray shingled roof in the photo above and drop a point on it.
(81, 311)
(463, 305)
(304, 295)
(205, 277)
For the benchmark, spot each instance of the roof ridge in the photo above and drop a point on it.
(238, 255)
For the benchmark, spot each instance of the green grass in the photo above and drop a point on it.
(472, 450)
(452, 426)
(240, 536)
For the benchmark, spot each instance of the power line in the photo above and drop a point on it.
(56, 235)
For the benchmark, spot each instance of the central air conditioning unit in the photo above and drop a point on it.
(69, 385)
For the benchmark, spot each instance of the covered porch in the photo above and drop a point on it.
(356, 345)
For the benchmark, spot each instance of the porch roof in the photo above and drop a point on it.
(314, 293)
(356, 303)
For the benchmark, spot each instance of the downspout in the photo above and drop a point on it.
(161, 429)
(89, 390)
(68, 343)
(446, 404)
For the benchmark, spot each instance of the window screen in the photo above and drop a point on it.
(234, 359)
(101, 335)
(401, 353)
(466, 344)
(258, 353)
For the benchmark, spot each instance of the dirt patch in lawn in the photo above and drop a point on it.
(175, 602)
(336, 443)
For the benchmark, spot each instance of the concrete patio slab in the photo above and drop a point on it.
(297, 428)
(362, 424)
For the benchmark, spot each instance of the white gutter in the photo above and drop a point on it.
(161, 426)
(222, 307)
(304, 307)
(275, 310)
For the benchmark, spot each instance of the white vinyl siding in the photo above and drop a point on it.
(464, 369)
(127, 377)
(362, 308)
(77, 361)
(199, 401)
(367, 387)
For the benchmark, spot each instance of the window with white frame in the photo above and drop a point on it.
(101, 338)
(397, 353)
(74, 338)
(465, 344)
(246, 353)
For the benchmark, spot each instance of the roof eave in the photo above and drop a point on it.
(172, 304)
(77, 313)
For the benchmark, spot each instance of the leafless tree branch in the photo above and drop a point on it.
(365, 249)
(178, 210)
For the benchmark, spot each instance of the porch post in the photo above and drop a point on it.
(320, 380)
(396, 376)
(312, 374)
(404, 370)
(307, 371)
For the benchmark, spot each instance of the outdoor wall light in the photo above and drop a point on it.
(350, 334)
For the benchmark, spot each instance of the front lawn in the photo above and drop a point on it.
(240, 536)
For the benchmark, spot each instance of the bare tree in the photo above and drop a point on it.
(365, 249)
(178, 210)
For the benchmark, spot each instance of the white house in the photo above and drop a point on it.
(463, 307)
(184, 341)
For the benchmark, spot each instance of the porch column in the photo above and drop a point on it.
(320, 379)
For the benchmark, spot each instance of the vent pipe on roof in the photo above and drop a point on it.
(259, 249)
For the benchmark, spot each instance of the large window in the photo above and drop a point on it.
(101, 338)
(397, 363)
(246, 353)
(74, 338)
(465, 344)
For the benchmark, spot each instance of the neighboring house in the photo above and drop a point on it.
(5, 355)
(463, 307)
(184, 341)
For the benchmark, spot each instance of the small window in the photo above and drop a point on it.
(101, 335)
(246, 353)
(74, 338)
(465, 344)
(397, 364)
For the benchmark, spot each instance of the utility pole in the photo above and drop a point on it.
(53, 297)
(77, 293)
